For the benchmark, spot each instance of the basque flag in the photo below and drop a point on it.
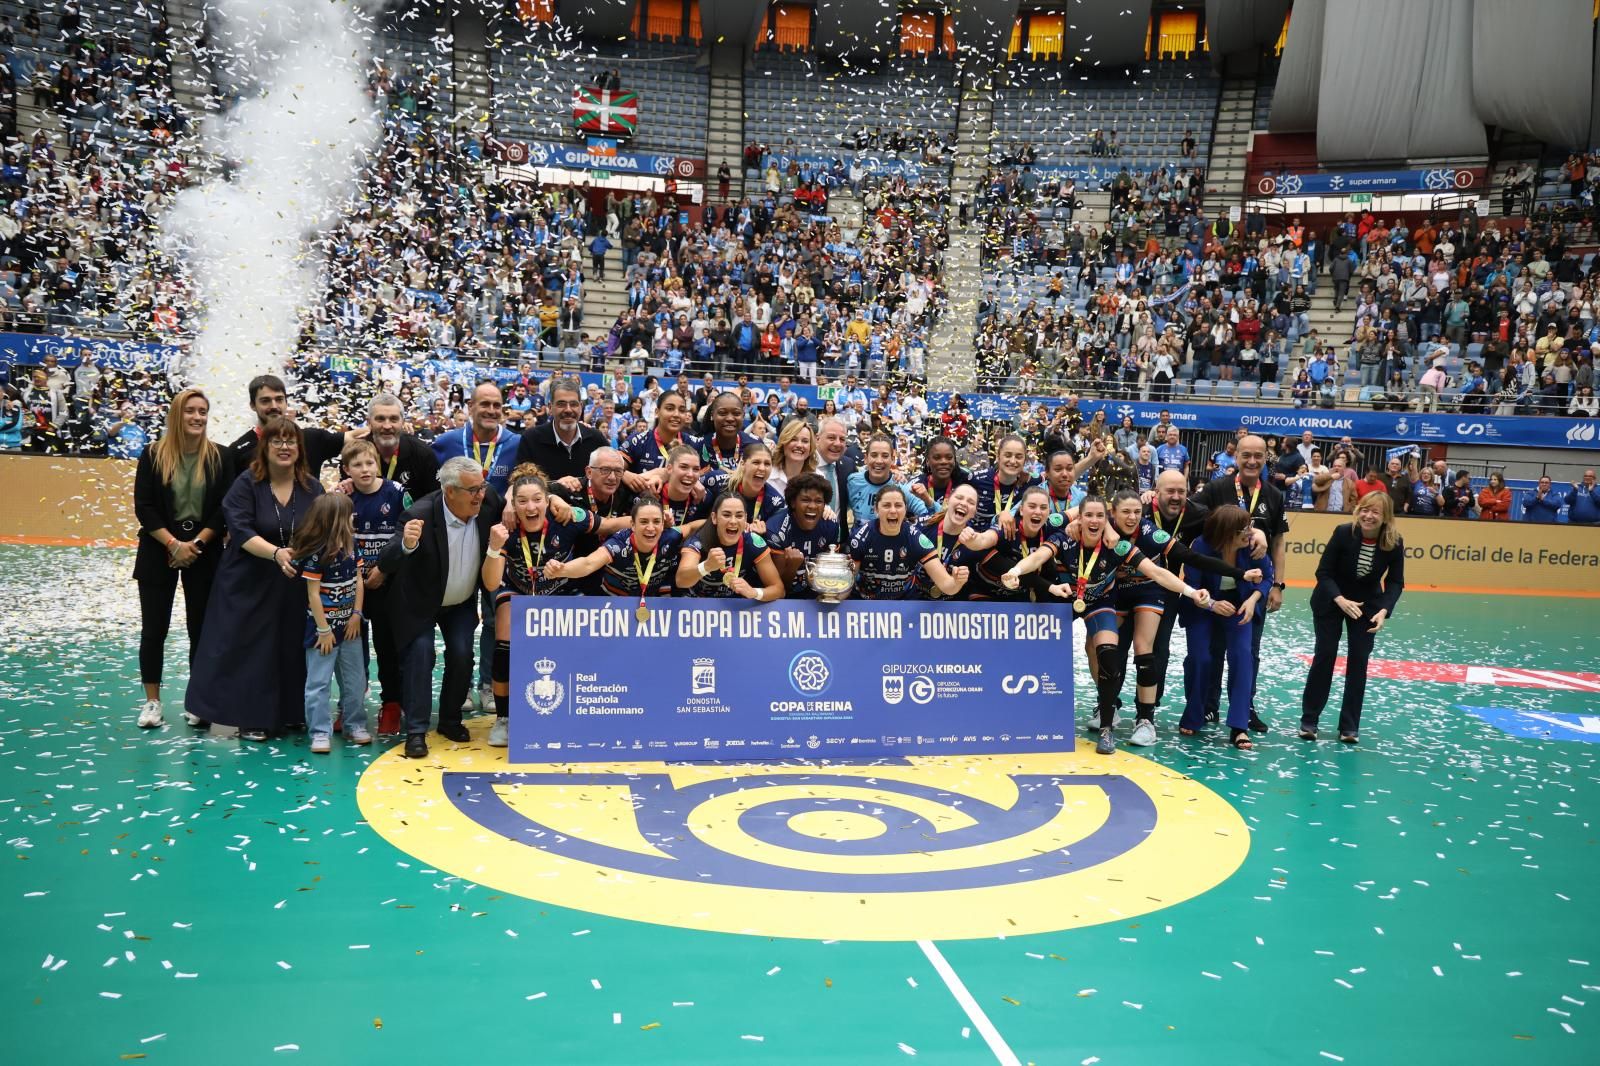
(603, 111)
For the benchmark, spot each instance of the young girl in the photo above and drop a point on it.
(324, 551)
(726, 559)
(1235, 602)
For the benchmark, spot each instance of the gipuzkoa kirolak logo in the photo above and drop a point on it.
(944, 847)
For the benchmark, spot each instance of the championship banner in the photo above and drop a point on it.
(592, 681)
(605, 111)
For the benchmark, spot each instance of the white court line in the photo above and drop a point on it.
(991, 1035)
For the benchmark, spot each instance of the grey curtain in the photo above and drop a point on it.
(1294, 99)
(1369, 86)
(860, 31)
(1108, 33)
(1533, 67)
(983, 31)
(1242, 26)
(1444, 122)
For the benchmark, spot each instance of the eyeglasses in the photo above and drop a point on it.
(608, 471)
(475, 490)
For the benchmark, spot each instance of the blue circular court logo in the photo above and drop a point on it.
(951, 847)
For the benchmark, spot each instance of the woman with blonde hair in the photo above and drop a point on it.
(796, 453)
(1359, 581)
(177, 498)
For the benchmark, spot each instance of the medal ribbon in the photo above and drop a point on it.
(644, 575)
(527, 559)
(1238, 489)
(477, 453)
(1085, 571)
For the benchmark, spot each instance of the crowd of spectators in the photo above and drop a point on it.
(1467, 316)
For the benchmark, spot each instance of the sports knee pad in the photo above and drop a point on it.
(1144, 670)
(500, 665)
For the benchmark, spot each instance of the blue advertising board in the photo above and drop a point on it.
(710, 679)
(618, 161)
(1433, 179)
(1410, 426)
(29, 349)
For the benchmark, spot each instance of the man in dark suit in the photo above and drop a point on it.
(562, 445)
(835, 465)
(431, 570)
(269, 399)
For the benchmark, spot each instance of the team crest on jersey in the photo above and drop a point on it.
(1122, 547)
(1056, 520)
(1161, 536)
(949, 847)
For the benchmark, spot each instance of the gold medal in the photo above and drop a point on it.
(1079, 605)
(727, 577)
(642, 613)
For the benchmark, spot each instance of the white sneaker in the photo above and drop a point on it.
(497, 733)
(1093, 722)
(468, 704)
(485, 699)
(1144, 733)
(150, 715)
(194, 720)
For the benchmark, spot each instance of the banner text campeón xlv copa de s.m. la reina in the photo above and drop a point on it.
(734, 679)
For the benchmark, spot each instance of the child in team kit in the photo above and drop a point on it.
(325, 553)
(377, 503)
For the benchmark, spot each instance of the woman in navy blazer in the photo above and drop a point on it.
(1359, 581)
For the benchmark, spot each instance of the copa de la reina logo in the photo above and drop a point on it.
(944, 847)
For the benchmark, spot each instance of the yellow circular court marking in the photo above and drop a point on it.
(948, 847)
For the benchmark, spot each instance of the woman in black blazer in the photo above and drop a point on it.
(1359, 581)
(177, 498)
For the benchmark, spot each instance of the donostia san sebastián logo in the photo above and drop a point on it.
(947, 847)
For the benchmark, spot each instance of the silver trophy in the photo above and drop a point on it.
(830, 576)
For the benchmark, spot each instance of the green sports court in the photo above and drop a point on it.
(1429, 895)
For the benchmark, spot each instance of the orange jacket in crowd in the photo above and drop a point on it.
(1494, 506)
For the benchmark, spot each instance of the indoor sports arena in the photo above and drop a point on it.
(739, 531)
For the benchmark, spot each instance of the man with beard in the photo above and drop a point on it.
(563, 447)
(493, 447)
(1264, 504)
(269, 399)
(1172, 512)
(402, 457)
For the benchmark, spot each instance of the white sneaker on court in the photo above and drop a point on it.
(497, 733)
(150, 715)
(1144, 733)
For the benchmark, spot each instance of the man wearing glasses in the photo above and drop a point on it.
(431, 570)
(602, 493)
(562, 446)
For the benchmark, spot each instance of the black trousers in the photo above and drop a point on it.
(156, 594)
(380, 638)
(1329, 627)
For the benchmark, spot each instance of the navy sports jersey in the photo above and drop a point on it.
(377, 518)
(681, 512)
(952, 554)
(888, 563)
(994, 497)
(644, 451)
(1011, 549)
(1102, 576)
(751, 549)
(783, 532)
(958, 476)
(618, 577)
(527, 553)
(1152, 543)
(339, 578)
(759, 509)
(714, 457)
